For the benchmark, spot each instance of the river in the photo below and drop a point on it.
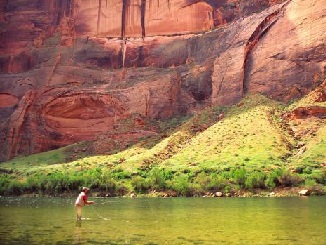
(291, 220)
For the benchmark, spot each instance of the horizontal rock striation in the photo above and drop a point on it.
(74, 70)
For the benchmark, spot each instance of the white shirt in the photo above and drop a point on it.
(80, 199)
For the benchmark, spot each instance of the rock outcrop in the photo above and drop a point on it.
(74, 70)
(304, 193)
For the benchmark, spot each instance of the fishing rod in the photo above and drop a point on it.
(98, 215)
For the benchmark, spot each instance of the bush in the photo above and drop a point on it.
(60, 182)
(271, 180)
(157, 179)
(255, 180)
(181, 184)
(203, 181)
(227, 189)
(288, 179)
(121, 190)
(120, 174)
(239, 176)
(75, 182)
(217, 183)
(140, 184)
(35, 183)
(307, 170)
(310, 183)
(106, 182)
(4, 183)
(15, 188)
(321, 178)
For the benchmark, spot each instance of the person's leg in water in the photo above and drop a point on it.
(79, 212)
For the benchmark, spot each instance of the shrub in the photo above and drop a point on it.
(255, 180)
(157, 179)
(4, 183)
(120, 174)
(321, 178)
(239, 176)
(227, 189)
(75, 182)
(106, 182)
(203, 181)
(57, 182)
(288, 179)
(140, 184)
(217, 183)
(181, 185)
(109, 186)
(307, 170)
(36, 183)
(310, 183)
(121, 190)
(15, 187)
(299, 169)
(271, 180)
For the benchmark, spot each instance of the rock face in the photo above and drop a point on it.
(75, 70)
(304, 193)
(140, 18)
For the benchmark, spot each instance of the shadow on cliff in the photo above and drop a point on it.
(279, 62)
(282, 60)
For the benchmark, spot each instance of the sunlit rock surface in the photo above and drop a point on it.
(76, 70)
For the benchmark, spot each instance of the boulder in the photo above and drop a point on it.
(218, 194)
(272, 194)
(304, 193)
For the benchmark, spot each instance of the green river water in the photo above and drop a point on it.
(164, 221)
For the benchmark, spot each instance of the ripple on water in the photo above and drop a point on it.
(193, 221)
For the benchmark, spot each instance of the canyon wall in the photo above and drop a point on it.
(74, 70)
(140, 18)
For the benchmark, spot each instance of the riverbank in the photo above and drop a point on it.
(278, 192)
(249, 152)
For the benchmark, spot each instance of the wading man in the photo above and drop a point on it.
(81, 202)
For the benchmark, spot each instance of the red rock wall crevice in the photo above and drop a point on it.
(124, 18)
(162, 76)
(142, 19)
(75, 18)
(255, 37)
(16, 124)
(293, 62)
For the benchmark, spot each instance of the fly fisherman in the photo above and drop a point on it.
(81, 202)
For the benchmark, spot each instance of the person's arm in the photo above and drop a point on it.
(86, 201)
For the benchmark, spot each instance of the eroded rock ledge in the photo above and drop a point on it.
(78, 70)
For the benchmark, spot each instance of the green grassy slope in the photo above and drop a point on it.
(250, 148)
(249, 136)
(314, 153)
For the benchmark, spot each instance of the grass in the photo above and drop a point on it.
(308, 100)
(315, 153)
(247, 136)
(249, 149)
(36, 161)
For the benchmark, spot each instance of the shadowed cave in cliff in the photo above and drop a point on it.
(156, 72)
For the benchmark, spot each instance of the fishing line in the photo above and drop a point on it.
(105, 202)
(98, 215)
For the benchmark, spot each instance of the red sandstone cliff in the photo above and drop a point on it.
(75, 70)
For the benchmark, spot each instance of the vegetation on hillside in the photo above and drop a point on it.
(247, 147)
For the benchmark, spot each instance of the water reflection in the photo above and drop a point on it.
(78, 233)
(164, 221)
